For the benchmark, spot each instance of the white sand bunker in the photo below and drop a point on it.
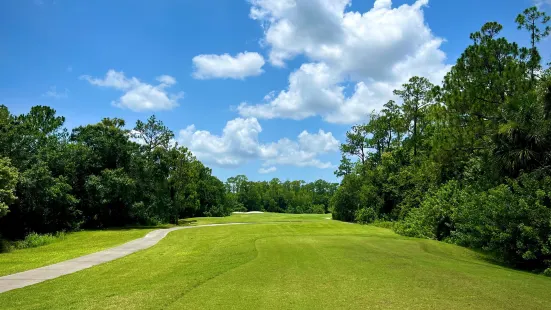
(250, 212)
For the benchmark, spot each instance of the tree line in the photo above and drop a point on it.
(278, 196)
(467, 162)
(98, 175)
(105, 175)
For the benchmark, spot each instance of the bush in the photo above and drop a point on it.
(5, 246)
(512, 221)
(318, 209)
(239, 207)
(143, 214)
(547, 272)
(365, 216)
(217, 211)
(34, 240)
(433, 219)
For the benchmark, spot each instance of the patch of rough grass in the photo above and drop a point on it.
(305, 264)
(34, 240)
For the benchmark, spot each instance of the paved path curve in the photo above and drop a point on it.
(30, 277)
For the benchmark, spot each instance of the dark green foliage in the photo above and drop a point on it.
(365, 216)
(433, 219)
(276, 196)
(467, 162)
(8, 181)
(512, 221)
(100, 175)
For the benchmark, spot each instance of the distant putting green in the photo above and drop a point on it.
(313, 263)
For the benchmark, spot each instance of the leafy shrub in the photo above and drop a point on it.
(512, 221)
(34, 240)
(547, 272)
(433, 219)
(217, 211)
(365, 216)
(239, 207)
(143, 214)
(318, 209)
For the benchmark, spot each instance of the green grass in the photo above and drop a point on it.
(313, 263)
(70, 246)
(258, 218)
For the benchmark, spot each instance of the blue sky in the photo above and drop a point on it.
(265, 88)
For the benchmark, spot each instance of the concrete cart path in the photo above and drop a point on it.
(33, 276)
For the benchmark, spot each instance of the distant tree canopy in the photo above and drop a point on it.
(277, 196)
(468, 162)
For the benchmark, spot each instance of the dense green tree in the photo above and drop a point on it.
(100, 175)
(467, 162)
(535, 22)
(153, 134)
(417, 96)
(356, 143)
(8, 181)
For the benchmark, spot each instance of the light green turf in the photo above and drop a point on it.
(321, 264)
(258, 218)
(72, 245)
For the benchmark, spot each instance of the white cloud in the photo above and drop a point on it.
(239, 144)
(139, 96)
(267, 170)
(541, 3)
(320, 142)
(166, 80)
(54, 93)
(376, 51)
(226, 66)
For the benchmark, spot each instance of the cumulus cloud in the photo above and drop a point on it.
(375, 51)
(267, 170)
(239, 144)
(314, 89)
(139, 96)
(227, 66)
(54, 93)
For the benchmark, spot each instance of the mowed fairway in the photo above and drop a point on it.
(313, 263)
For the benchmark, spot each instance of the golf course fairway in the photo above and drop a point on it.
(290, 262)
